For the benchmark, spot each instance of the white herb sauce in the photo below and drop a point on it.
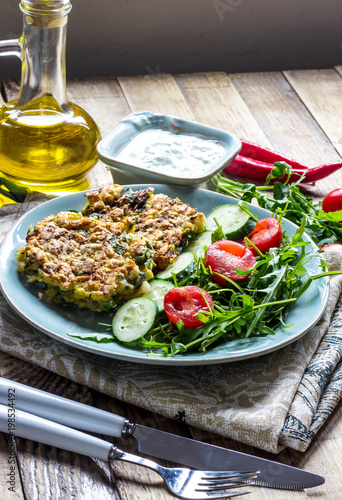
(181, 155)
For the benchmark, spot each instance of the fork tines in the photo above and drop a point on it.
(218, 481)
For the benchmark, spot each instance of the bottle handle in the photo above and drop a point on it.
(10, 48)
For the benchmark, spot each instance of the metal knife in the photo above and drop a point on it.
(153, 442)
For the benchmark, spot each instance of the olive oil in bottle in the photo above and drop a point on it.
(46, 143)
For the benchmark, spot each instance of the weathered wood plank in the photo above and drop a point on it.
(17, 492)
(321, 92)
(156, 93)
(48, 472)
(10, 481)
(102, 98)
(324, 457)
(215, 101)
(284, 117)
(288, 123)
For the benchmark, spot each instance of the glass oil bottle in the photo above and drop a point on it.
(46, 143)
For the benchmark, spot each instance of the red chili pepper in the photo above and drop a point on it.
(265, 155)
(256, 162)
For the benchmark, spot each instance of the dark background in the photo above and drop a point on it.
(125, 37)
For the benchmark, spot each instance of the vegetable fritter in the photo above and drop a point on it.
(87, 262)
(106, 255)
(166, 222)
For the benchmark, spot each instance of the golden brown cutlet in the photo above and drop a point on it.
(85, 261)
(166, 222)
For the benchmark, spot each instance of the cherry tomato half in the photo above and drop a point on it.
(333, 246)
(183, 304)
(225, 257)
(333, 201)
(267, 234)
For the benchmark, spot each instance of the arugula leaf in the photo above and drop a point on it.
(281, 168)
(331, 216)
(218, 234)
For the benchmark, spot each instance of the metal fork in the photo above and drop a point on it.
(193, 484)
(186, 483)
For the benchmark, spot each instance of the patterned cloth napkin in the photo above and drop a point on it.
(271, 402)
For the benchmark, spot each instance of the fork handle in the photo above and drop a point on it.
(19, 423)
(61, 410)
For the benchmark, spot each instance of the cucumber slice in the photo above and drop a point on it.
(182, 267)
(134, 319)
(158, 291)
(198, 243)
(235, 222)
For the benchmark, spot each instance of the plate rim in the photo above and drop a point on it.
(141, 356)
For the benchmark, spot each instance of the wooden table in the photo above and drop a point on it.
(295, 112)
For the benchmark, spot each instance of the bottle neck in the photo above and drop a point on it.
(43, 61)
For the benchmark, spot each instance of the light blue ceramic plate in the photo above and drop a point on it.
(57, 322)
(132, 125)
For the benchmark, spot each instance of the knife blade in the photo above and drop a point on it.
(201, 455)
(151, 441)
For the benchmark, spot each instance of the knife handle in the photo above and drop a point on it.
(19, 423)
(59, 409)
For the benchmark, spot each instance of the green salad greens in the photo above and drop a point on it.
(288, 201)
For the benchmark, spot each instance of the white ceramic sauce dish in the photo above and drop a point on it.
(149, 147)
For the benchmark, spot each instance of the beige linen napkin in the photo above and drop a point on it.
(271, 402)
